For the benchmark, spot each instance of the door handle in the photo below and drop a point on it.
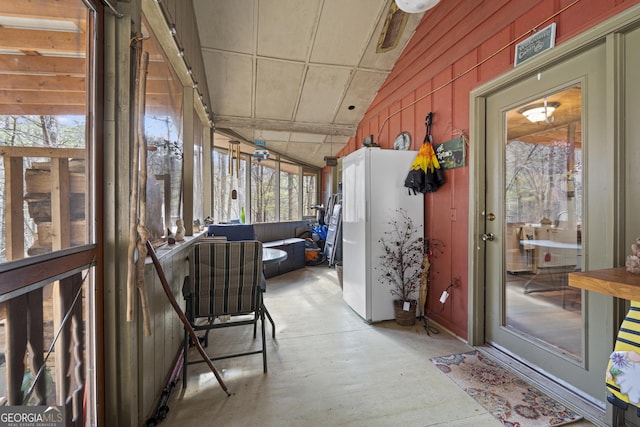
(489, 236)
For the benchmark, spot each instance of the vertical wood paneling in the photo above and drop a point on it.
(574, 21)
(158, 351)
(422, 108)
(501, 62)
(452, 39)
(394, 127)
(539, 13)
(407, 119)
(146, 372)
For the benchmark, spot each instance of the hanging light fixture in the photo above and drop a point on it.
(539, 112)
(234, 153)
(416, 6)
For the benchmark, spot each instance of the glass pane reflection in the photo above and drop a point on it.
(543, 199)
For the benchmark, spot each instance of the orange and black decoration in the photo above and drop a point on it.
(425, 175)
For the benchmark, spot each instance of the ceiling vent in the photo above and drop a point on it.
(392, 30)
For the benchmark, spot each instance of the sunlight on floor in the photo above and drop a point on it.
(328, 367)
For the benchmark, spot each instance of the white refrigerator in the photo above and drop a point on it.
(372, 192)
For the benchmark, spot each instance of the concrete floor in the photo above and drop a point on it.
(327, 367)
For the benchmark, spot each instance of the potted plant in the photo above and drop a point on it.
(401, 265)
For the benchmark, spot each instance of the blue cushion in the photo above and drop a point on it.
(233, 232)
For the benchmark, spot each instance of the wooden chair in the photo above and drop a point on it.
(224, 281)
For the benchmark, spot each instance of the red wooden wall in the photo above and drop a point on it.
(459, 45)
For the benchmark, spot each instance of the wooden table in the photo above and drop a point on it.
(617, 282)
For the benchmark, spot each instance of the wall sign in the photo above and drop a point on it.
(451, 154)
(537, 43)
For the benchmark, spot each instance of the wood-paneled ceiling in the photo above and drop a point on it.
(42, 57)
(43, 62)
(569, 112)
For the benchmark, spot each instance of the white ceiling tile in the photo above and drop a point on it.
(340, 140)
(226, 25)
(277, 88)
(229, 78)
(307, 137)
(341, 21)
(246, 134)
(270, 135)
(309, 152)
(321, 94)
(359, 94)
(285, 28)
(278, 146)
(298, 87)
(332, 145)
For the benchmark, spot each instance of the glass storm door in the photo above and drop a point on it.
(535, 221)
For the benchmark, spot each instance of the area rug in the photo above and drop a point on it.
(510, 399)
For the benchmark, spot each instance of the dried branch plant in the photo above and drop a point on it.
(401, 263)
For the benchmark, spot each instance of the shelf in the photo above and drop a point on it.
(617, 282)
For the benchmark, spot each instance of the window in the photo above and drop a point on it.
(198, 168)
(543, 211)
(289, 191)
(43, 132)
(163, 132)
(309, 193)
(268, 190)
(263, 191)
(227, 184)
(48, 128)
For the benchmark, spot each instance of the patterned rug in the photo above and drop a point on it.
(510, 399)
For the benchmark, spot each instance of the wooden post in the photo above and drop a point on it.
(60, 204)
(14, 200)
(60, 239)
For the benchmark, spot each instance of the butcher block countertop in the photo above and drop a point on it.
(617, 282)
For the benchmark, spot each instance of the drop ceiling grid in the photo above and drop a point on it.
(280, 65)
